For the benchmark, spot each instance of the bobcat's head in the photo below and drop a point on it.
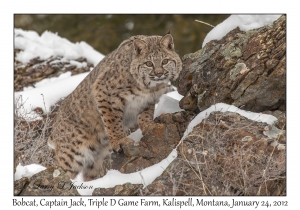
(155, 60)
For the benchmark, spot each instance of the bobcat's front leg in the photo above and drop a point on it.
(112, 117)
(145, 119)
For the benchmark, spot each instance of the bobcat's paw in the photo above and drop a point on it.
(130, 147)
(116, 147)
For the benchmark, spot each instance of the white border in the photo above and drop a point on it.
(218, 6)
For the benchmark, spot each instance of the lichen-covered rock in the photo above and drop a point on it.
(159, 140)
(157, 143)
(226, 154)
(126, 189)
(246, 69)
(180, 119)
(28, 74)
(52, 181)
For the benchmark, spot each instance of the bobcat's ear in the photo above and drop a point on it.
(167, 42)
(139, 46)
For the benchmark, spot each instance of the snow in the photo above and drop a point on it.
(27, 171)
(136, 135)
(50, 92)
(78, 64)
(111, 179)
(50, 44)
(50, 80)
(114, 177)
(174, 94)
(167, 104)
(259, 117)
(244, 22)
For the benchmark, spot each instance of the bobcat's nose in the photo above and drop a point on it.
(159, 74)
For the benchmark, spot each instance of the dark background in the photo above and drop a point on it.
(105, 32)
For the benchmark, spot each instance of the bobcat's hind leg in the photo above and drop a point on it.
(97, 168)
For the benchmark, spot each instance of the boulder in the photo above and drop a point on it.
(159, 139)
(246, 69)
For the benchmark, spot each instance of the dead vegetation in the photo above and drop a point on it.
(228, 154)
(31, 130)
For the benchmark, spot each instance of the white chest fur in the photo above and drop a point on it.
(137, 104)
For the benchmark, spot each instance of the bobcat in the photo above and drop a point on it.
(119, 93)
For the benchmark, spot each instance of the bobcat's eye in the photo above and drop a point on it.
(149, 63)
(164, 62)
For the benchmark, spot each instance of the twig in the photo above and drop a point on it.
(268, 163)
(204, 23)
(199, 177)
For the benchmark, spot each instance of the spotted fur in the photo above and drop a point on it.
(119, 93)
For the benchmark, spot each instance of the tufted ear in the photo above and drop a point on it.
(167, 42)
(139, 46)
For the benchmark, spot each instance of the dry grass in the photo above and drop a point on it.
(30, 135)
(221, 163)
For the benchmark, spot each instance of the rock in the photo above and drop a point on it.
(36, 75)
(70, 68)
(80, 70)
(226, 154)
(49, 71)
(126, 189)
(156, 144)
(131, 149)
(90, 65)
(26, 75)
(246, 69)
(81, 59)
(135, 164)
(52, 181)
(159, 139)
(19, 185)
(180, 119)
(35, 61)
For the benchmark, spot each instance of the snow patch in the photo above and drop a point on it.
(50, 44)
(136, 135)
(259, 117)
(167, 104)
(175, 95)
(49, 92)
(244, 22)
(114, 177)
(27, 171)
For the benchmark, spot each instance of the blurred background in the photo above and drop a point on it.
(106, 31)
